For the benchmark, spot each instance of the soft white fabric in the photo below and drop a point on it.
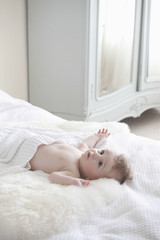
(17, 110)
(31, 208)
(136, 213)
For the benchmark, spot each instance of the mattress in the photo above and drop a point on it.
(135, 211)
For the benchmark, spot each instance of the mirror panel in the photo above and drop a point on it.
(154, 42)
(115, 44)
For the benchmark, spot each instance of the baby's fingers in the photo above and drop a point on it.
(103, 131)
(85, 183)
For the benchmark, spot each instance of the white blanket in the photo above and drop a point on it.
(18, 145)
(136, 213)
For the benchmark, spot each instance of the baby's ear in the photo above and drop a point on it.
(130, 177)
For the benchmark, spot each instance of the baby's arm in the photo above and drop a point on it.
(65, 179)
(91, 141)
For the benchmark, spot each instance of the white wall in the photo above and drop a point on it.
(13, 48)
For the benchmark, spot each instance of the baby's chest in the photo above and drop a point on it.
(66, 153)
(68, 159)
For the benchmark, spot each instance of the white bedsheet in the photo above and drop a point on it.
(17, 110)
(136, 213)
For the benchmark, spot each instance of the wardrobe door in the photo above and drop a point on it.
(114, 66)
(150, 52)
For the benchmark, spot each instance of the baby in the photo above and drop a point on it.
(69, 165)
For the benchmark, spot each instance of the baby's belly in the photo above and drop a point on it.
(46, 159)
(53, 157)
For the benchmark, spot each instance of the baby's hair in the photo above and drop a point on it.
(122, 167)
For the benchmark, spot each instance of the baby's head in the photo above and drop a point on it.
(103, 163)
(122, 168)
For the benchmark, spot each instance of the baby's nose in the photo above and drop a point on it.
(95, 153)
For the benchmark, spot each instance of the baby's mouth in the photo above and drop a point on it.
(88, 155)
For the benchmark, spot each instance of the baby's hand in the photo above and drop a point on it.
(81, 182)
(103, 133)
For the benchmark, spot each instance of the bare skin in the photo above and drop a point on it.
(69, 165)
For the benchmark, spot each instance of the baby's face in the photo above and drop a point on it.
(97, 163)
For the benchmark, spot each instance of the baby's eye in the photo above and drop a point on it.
(101, 152)
(100, 163)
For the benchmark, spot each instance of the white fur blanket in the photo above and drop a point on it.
(31, 206)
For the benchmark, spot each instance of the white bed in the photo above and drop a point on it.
(106, 210)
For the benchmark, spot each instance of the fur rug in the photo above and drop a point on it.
(33, 208)
(71, 126)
